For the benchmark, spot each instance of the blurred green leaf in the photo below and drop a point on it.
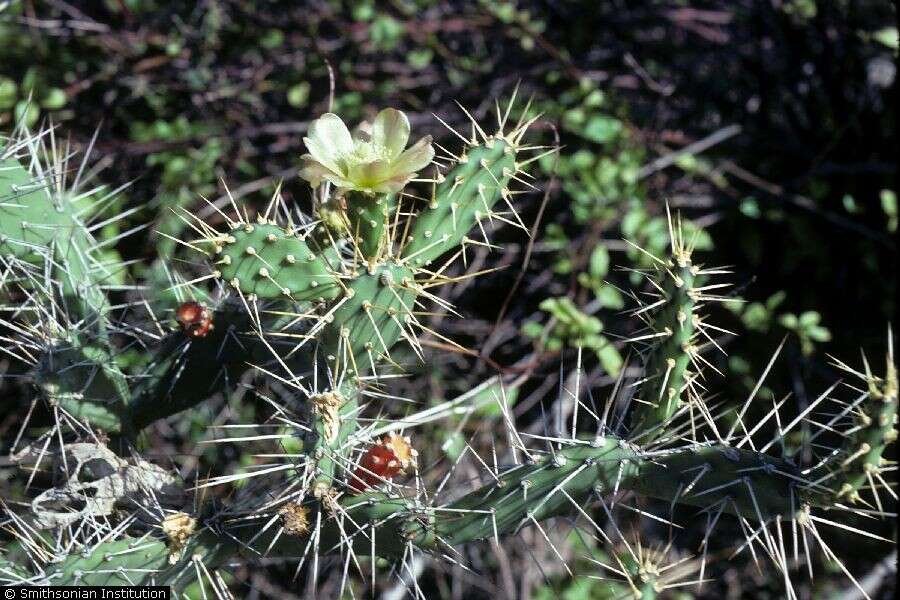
(54, 100)
(385, 32)
(889, 206)
(298, 95)
(888, 37)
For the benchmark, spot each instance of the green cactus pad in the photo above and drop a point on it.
(748, 480)
(121, 562)
(29, 220)
(40, 226)
(140, 561)
(667, 364)
(464, 198)
(368, 321)
(328, 445)
(85, 381)
(265, 260)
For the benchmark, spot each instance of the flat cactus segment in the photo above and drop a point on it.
(333, 422)
(28, 219)
(39, 225)
(140, 561)
(171, 383)
(265, 260)
(121, 562)
(745, 483)
(85, 381)
(876, 420)
(465, 197)
(534, 491)
(370, 318)
(668, 362)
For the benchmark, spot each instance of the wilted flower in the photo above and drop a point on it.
(372, 163)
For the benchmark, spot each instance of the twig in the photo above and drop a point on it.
(696, 148)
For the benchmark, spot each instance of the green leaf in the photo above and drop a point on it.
(887, 37)
(489, 400)
(601, 129)
(610, 297)
(750, 208)
(532, 329)
(27, 112)
(573, 119)
(385, 32)
(788, 321)
(776, 299)
(419, 58)
(756, 317)
(809, 318)
(54, 100)
(272, 39)
(599, 263)
(889, 206)
(609, 358)
(8, 92)
(819, 334)
(298, 95)
(850, 204)
(363, 11)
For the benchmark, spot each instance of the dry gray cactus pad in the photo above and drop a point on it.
(94, 483)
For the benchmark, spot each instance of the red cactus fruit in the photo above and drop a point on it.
(392, 455)
(195, 319)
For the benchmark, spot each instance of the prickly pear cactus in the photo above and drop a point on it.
(316, 315)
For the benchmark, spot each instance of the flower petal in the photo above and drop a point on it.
(329, 140)
(417, 157)
(313, 171)
(391, 131)
(367, 176)
(339, 181)
(393, 185)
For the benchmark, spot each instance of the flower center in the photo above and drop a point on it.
(366, 152)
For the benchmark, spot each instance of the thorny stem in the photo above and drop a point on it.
(741, 482)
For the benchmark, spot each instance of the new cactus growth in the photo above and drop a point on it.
(368, 218)
(862, 461)
(308, 313)
(673, 325)
(463, 202)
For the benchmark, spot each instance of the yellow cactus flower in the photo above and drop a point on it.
(374, 163)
